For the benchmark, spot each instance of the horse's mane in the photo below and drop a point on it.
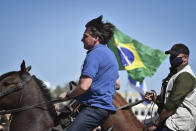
(44, 90)
(46, 95)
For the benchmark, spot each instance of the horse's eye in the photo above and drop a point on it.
(6, 83)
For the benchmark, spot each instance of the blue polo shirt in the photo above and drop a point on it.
(101, 65)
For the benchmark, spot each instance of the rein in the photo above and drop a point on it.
(127, 106)
(30, 107)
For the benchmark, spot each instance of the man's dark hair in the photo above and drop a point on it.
(102, 30)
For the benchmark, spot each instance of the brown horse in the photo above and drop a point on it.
(122, 120)
(31, 91)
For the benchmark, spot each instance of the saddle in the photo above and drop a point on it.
(68, 113)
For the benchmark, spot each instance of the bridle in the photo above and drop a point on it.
(16, 88)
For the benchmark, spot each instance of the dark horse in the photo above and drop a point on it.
(32, 91)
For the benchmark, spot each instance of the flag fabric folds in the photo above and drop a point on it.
(140, 87)
(134, 57)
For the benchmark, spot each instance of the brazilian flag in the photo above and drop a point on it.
(134, 57)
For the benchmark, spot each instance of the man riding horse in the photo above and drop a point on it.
(98, 79)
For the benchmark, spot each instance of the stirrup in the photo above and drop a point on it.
(110, 128)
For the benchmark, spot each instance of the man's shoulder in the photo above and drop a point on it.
(185, 75)
(100, 51)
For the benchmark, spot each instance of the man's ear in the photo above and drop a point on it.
(97, 39)
(185, 59)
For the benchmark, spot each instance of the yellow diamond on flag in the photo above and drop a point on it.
(129, 56)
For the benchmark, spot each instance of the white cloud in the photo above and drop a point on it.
(49, 85)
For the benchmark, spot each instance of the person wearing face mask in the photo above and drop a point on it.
(177, 100)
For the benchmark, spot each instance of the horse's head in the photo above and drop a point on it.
(11, 85)
(19, 90)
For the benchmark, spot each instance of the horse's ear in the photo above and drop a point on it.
(23, 66)
(28, 68)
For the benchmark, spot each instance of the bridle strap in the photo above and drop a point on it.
(15, 89)
(30, 107)
(10, 91)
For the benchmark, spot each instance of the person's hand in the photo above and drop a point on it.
(2, 128)
(97, 128)
(56, 106)
(62, 96)
(150, 95)
(8, 116)
(152, 128)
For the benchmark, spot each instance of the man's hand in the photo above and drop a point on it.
(150, 95)
(63, 97)
(152, 128)
(1, 128)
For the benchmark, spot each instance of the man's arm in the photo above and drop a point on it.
(165, 113)
(84, 84)
(2, 128)
(183, 85)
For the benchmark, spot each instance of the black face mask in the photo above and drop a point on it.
(175, 61)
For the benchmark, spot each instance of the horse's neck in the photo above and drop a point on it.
(128, 113)
(30, 120)
(31, 94)
(35, 119)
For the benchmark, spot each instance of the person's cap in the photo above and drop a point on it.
(177, 49)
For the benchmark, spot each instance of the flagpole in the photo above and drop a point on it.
(126, 94)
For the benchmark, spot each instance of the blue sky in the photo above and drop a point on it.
(47, 33)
